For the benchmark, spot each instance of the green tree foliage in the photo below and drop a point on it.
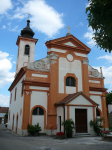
(99, 14)
(6, 114)
(109, 98)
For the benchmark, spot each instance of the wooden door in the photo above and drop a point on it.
(81, 120)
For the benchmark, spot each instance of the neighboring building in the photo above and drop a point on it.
(58, 87)
(3, 111)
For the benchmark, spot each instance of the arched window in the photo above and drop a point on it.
(27, 50)
(97, 112)
(70, 81)
(38, 111)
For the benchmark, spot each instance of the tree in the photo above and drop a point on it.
(109, 98)
(6, 114)
(99, 13)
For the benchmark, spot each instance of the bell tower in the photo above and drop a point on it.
(26, 47)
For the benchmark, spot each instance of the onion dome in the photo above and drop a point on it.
(27, 31)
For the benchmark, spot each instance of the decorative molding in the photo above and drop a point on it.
(95, 73)
(85, 61)
(27, 92)
(53, 61)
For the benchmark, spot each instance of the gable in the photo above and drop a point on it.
(80, 100)
(68, 43)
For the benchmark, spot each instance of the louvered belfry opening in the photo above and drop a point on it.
(27, 50)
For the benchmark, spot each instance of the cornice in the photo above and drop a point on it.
(35, 83)
(97, 89)
(25, 39)
(67, 47)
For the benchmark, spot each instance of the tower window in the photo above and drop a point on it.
(70, 81)
(38, 111)
(27, 50)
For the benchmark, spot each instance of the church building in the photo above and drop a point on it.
(58, 87)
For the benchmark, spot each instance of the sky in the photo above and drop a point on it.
(49, 19)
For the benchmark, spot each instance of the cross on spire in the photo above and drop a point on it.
(28, 15)
(68, 29)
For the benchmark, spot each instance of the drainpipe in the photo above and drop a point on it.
(64, 116)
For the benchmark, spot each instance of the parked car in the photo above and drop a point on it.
(6, 125)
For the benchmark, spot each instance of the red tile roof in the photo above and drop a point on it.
(4, 109)
(70, 96)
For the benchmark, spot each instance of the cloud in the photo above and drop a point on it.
(44, 18)
(88, 35)
(5, 66)
(14, 62)
(14, 29)
(3, 27)
(4, 100)
(81, 24)
(9, 23)
(5, 5)
(88, 4)
(107, 57)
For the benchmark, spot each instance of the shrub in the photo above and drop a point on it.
(33, 129)
(69, 125)
(97, 125)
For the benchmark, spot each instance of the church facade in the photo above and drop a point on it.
(58, 87)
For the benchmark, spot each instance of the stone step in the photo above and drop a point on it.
(82, 135)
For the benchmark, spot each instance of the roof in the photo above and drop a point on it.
(27, 31)
(74, 95)
(4, 109)
(19, 75)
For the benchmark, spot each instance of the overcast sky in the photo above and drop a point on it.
(49, 19)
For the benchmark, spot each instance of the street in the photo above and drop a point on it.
(11, 141)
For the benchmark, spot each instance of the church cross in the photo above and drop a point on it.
(68, 29)
(28, 15)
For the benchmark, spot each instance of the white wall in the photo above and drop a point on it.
(70, 90)
(69, 67)
(22, 57)
(38, 119)
(39, 98)
(15, 107)
(60, 113)
(2, 115)
(109, 108)
(97, 99)
(80, 100)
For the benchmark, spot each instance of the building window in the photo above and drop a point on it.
(97, 112)
(10, 98)
(15, 94)
(38, 111)
(27, 50)
(70, 81)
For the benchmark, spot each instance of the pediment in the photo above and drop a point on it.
(68, 43)
(78, 98)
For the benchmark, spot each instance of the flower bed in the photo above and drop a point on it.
(103, 132)
(60, 135)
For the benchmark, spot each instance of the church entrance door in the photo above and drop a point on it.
(81, 120)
